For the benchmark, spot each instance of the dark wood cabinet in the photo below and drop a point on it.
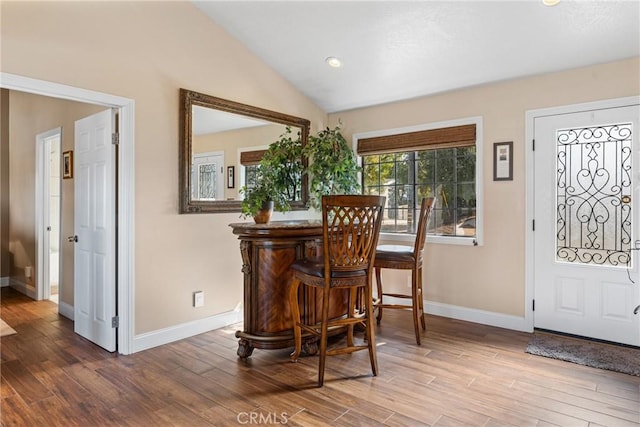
(267, 251)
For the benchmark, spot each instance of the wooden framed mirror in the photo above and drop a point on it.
(217, 136)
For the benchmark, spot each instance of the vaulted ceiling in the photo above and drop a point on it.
(395, 50)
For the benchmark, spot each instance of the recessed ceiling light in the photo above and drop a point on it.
(550, 2)
(333, 62)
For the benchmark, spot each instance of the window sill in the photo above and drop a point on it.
(390, 238)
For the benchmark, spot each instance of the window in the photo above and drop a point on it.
(251, 176)
(250, 162)
(406, 165)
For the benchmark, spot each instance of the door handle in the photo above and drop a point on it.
(635, 311)
(72, 239)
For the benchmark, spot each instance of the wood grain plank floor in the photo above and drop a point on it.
(464, 374)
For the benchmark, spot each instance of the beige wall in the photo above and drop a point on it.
(5, 260)
(491, 277)
(30, 115)
(146, 51)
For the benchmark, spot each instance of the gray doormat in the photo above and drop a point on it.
(584, 352)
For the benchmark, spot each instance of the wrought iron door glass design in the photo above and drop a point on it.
(593, 219)
(207, 185)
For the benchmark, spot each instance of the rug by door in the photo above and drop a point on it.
(584, 352)
(6, 329)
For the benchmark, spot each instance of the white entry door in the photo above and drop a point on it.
(207, 176)
(586, 224)
(94, 255)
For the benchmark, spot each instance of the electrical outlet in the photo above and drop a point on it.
(198, 299)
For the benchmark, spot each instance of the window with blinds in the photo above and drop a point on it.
(250, 160)
(408, 166)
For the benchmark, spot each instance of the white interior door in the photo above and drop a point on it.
(207, 176)
(48, 208)
(586, 222)
(94, 224)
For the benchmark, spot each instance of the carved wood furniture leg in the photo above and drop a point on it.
(244, 349)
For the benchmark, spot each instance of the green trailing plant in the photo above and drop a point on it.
(332, 166)
(278, 178)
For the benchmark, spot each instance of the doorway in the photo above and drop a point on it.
(125, 179)
(585, 219)
(207, 176)
(48, 206)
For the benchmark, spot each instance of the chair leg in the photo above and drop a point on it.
(324, 332)
(379, 285)
(295, 314)
(370, 333)
(421, 299)
(415, 303)
(351, 311)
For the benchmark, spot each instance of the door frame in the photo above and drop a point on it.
(125, 274)
(194, 173)
(42, 208)
(530, 116)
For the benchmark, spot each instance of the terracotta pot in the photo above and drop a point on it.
(264, 215)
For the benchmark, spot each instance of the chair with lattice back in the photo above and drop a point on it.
(404, 257)
(351, 225)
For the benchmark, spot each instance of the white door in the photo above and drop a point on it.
(48, 207)
(207, 176)
(94, 224)
(586, 224)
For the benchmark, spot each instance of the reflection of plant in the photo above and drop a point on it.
(278, 177)
(333, 168)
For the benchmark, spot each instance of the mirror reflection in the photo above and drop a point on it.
(222, 143)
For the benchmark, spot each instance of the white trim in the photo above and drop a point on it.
(478, 121)
(126, 186)
(477, 316)
(42, 291)
(174, 333)
(467, 314)
(65, 310)
(530, 116)
(22, 287)
(4, 282)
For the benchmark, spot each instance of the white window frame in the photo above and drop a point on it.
(450, 240)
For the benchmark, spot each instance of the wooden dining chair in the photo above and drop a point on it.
(351, 225)
(402, 257)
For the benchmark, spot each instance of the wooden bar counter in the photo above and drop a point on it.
(267, 251)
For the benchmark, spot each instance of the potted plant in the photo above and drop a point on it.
(277, 181)
(332, 167)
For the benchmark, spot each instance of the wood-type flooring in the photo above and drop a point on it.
(463, 374)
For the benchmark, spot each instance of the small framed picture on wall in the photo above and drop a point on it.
(503, 161)
(231, 172)
(67, 164)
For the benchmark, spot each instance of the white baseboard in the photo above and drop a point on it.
(174, 333)
(469, 314)
(22, 287)
(185, 330)
(66, 310)
(477, 316)
(4, 281)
